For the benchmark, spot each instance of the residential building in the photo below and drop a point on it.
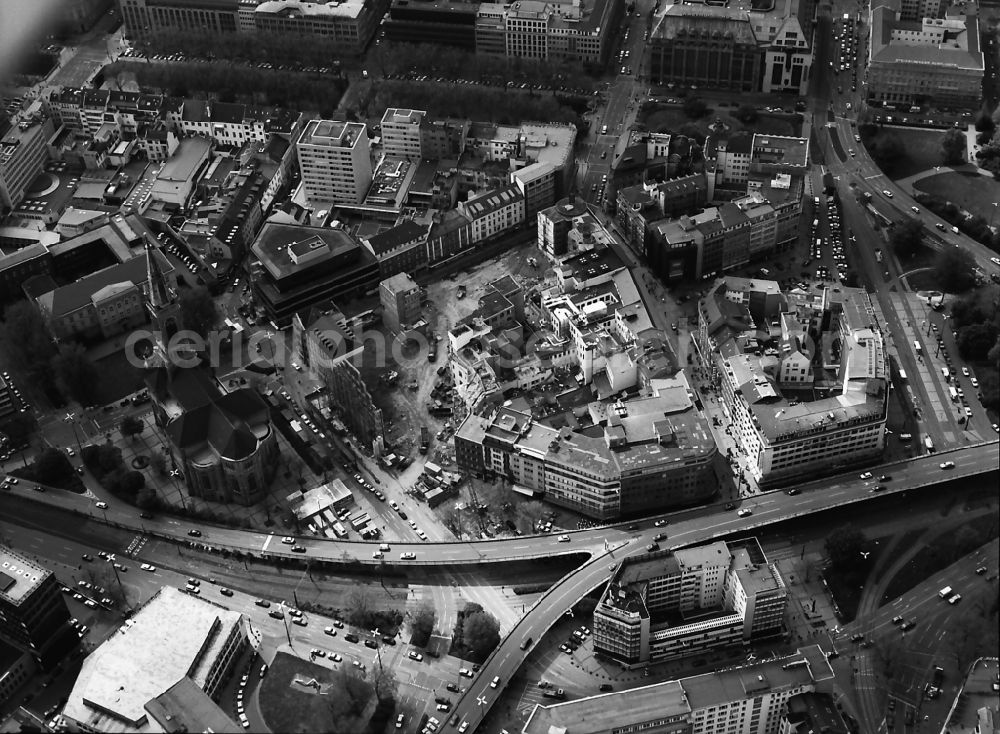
(673, 604)
(555, 223)
(813, 711)
(297, 266)
(538, 29)
(7, 405)
(165, 669)
(335, 161)
(104, 304)
(399, 249)
(33, 614)
(16, 668)
(401, 301)
(439, 22)
(23, 152)
(538, 184)
(929, 60)
(746, 699)
(518, 147)
(641, 205)
(494, 212)
(331, 354)
(802, 376)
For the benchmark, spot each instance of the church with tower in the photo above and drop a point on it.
(221, 440)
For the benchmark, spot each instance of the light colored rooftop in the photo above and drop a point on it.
(600, 713)
(311, 10)
(174, 635)
(184, 163)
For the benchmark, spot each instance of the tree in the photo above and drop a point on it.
(453, 520)
(131, 426)
(480, 634)
(27, 343)
(159, 463)
(695, 108)
(19, 428)
(75, 375)
(359, 607)
(844, 547)
(966, 310)
(348, 697)
(954, 270)
(198, 312)
(985, 123)
(888, 653)
(953, 147)
(51, 466)
(887, 150)
(907, 238)
(529, 513)
(976, 340)
(422, 625)
(747, 114)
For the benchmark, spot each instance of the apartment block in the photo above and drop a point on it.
(802, 376)
(335, 161)
(759, 698)
(673, 604)
(494, 213)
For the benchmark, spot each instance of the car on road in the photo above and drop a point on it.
(908, 625)
(867, 475)
(330, 631)
(660, 523)
(194, 533)
(888, 194)
(465, 672)
(885, 478)
(954, 598)
(939, 226)
(463, 727)
(495, 682)
(407, 556)
(981, 570)
(288, 540)
(148, 567)
(101, 505)
(745, 512)
(263, 603)
(226, 592)
(276, 614)
(453, 688)
(730, 506)
(793, 491)
(897, 619)
(300, 622)
(415, 656)
(563, 538)
(947, 465)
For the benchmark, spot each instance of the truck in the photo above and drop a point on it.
(828, 184)
(929, 444)
(425, 439)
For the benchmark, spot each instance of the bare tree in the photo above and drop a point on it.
(529, 513)
(422, 625)
(359, 606)
(453, 520)
(888, 652)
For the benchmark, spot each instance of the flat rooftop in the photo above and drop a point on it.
(331, 133)
(183, 164)
(19, 575)
(275, 240)
(601, 713)
(344, 9)
(779, 149)
(175, 635)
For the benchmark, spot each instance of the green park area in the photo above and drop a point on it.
(694, 116)
(969, 191)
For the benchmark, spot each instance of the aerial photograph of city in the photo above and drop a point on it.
(511, 367)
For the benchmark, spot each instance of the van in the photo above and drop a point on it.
(945, 592)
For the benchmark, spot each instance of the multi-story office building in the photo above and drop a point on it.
(165, 670)
(349, 24)
(668, 605)
(931, 60)
(616, 468)
(765, 48)
(401, 133)
(335, 161)
(748, 699)
(439, 22)
(798, 405)
(33, 614)
(297, 267)
(536, 29)
(23, 152)
(401, 301)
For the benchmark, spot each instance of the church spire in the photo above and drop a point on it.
(159, 294)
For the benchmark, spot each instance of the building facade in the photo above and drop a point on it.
(23, 152)
(335, 161)
(401, 301)
(33, 614)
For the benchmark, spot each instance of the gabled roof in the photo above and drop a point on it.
(401, 234)
(227, 425)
